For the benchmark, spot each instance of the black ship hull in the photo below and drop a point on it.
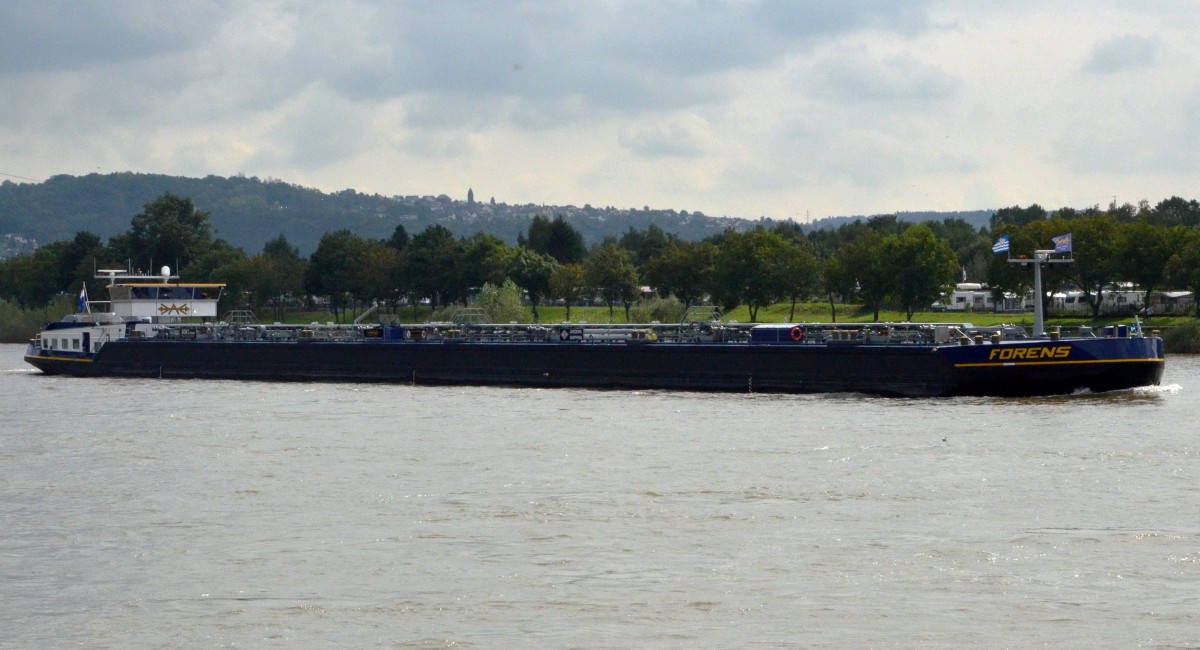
(894, 370)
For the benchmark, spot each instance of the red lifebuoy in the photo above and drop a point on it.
(797, 334)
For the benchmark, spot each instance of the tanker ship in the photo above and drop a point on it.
(160, 327)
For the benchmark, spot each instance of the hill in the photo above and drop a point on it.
(248, 212)
(977, 218)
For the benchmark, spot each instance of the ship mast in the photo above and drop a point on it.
(1040, 257)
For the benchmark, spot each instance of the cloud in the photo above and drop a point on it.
(857, 76)
(1120, 53)
(1152, 137)
(725, 106)
(54, 35)
(315, 129)
(625, 56)
(538, 61)
(816, 22)
(685, 136)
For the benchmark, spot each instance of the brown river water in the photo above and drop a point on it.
(223, 514)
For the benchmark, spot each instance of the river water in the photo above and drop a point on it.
(220, 514)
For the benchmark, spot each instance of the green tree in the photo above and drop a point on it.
(567, 283)
(1126, 212)
(747, 271)
(1096, 242)
(206, 267)
(283, 274)
(1017, 216)
(371, 273)
(1144, 251)
(399, 238)
(556, 238)
(921, 267)
(886, 224)
(1183, 269)
(434, 266)
(330, 271)
(502, 303)
(243, 280)
(485, 260)
(798, 272)
(1176, 212)
(644, 245)
(790, 231)
(972, 247)
(532, 271)
(30, 280)
(76, 260)
(610, 273)
(838, 283)
(862, 261)
(256, 282)
(169, 231)
(684, 270)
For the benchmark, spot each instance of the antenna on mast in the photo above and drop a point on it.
(1041, 257)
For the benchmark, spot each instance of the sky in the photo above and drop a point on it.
(780, 108)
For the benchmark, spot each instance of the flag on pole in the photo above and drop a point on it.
(1062, 243)
(83, 298)
(1001, 245)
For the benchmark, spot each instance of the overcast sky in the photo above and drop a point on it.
(780, 108)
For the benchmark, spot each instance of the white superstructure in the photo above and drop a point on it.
(161, 298)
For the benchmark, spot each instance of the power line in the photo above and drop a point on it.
(31, 180)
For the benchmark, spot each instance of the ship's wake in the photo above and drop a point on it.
(1165, 389)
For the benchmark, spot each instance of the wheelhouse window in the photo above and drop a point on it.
(175, 293)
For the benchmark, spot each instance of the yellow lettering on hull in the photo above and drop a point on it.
(1037, 353)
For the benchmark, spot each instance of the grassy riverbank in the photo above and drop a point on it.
(19, 325)
(805, 312)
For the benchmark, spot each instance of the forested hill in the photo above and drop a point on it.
(977, 218)
(248, 212)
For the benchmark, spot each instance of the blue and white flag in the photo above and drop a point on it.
(83, 298)
(1062, 243)
(1001, 245)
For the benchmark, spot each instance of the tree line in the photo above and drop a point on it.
(1154, 247)
(877, 263)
